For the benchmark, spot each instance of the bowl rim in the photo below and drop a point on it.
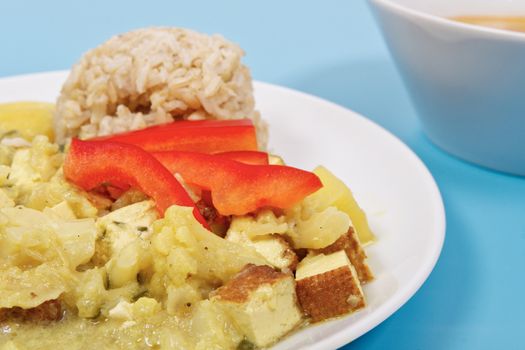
(493, 33)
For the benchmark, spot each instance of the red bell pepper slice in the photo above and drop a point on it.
(246, 157)
(89, 164)
(208, 136)
(238, 188)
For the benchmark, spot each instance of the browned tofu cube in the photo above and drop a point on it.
(349, 242)
(261, 303)
(327, 286)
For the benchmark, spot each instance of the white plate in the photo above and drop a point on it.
(391, 183)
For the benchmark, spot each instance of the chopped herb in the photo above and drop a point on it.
(142, 228)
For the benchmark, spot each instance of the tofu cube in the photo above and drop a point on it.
(261, 303)
(274, 248)
(349, 242)
(328, 286)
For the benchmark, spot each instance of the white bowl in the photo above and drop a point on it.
(467, 82)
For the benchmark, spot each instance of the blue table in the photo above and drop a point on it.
(475, 298)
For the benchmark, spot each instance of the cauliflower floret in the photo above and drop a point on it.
(34, 179)
(218, 258)
(37, 163)
(306, 226)
(320, 229)
(265, 223)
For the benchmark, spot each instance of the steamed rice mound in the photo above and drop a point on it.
(154, 76)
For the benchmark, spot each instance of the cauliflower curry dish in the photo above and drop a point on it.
(143, 211)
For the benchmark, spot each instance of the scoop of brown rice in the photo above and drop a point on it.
(154, 76)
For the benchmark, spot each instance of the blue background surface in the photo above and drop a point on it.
(474, 299)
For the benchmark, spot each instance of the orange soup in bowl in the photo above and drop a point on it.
(513, 23)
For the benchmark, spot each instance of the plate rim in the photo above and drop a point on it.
(398, 299)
